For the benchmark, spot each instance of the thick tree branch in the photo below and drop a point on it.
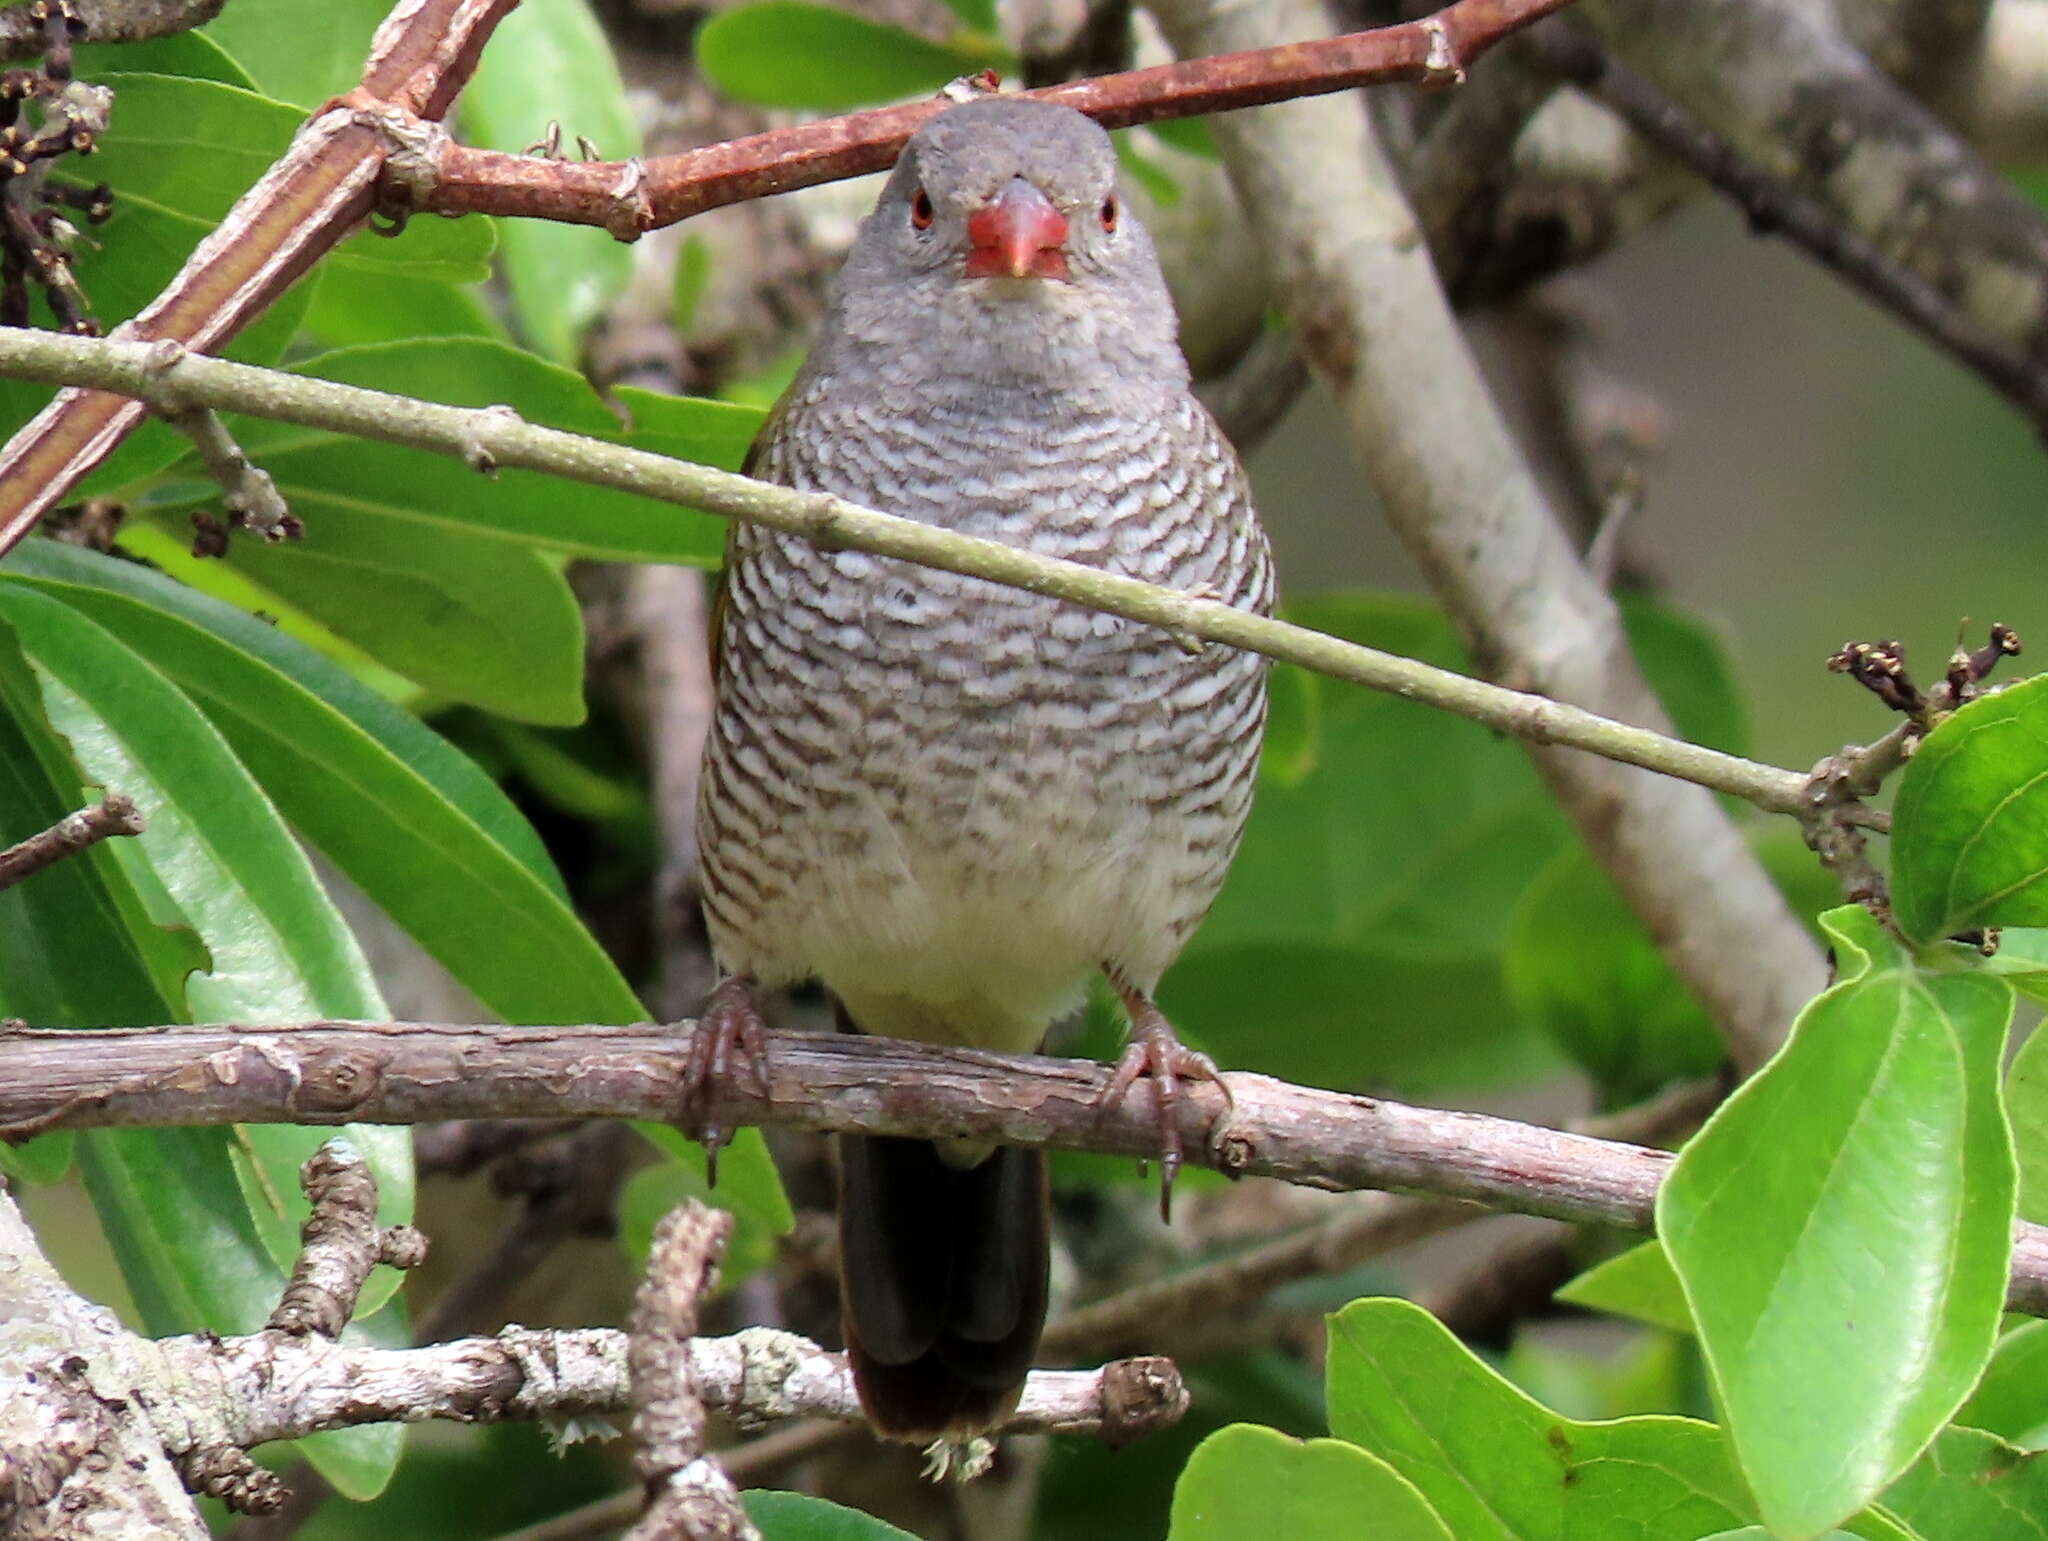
(1357, 282)
(496, 437)
(75, 832)
(402, 1073)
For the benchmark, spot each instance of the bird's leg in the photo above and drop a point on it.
(1156, 1050)
(730, 1020)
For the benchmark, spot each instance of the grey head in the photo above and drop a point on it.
(1000, 249)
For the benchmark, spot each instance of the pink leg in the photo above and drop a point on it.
(1156, 1051)
(730, 1021)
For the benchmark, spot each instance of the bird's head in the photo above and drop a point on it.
(1002, 222)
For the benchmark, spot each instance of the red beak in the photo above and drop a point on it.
(1017, 234)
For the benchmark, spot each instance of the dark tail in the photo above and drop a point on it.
(942, 1273)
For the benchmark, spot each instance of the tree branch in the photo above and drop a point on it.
(497, 437)
(689, 1496)
(1357, 282)
(402, 1073)
(629, 198)
(75, 832)
(106, 21)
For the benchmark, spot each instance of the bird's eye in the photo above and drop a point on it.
(1108, 214)
(921, 211)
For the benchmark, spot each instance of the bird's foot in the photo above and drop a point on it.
(1156, 1051)
(730, 1024)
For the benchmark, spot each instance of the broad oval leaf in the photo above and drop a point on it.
(1638, 1284)
(2026, 1104)
(1246, 1481)
(1972, 1486)
(1842, 1227)
(1496, 1465)
(799, 1517)
(791, 53)
(1970, 826)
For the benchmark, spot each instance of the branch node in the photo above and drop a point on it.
(1140, 1397)
(339, 1244)
(1441, 65)
(632, 212)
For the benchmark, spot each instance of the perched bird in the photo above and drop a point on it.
(952, 802)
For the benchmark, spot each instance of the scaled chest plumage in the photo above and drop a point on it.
(951, 801)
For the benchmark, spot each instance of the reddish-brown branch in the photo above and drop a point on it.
(632, 197)
(304, 206)
(73, 833)
(381, 143)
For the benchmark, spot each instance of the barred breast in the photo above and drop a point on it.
(949, 801)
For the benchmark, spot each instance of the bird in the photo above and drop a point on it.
(953, 803)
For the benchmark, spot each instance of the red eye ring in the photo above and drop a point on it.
(921, 211)
(1108, 215)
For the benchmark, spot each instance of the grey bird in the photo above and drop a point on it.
(950, 802)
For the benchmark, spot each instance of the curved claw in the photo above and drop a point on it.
(730, 1022)
(1156, 1051)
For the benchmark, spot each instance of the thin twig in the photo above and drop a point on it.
(689, 1496)
(635, 196)
(339, 1244)
(75, 832)
(247, 493)
(496, 436)
(106, 21)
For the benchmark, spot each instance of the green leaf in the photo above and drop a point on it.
(298, 53)
(355, 305)
(1294, 712)
(799, 1517)
(2026, 1104)
(1972, 1486)
(1497, 1466)
(433, 490)
(192, 54)
(1247, 1481)
(2022, 960)
(1758, 1533)
(790, 53)
(1970, 826)
(1842, 1227)
(1638, 1284)
(549, 60)
(979, 15)
(470, 618)
(2011, 1400)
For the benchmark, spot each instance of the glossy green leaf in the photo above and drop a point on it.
(192, 54)
(1638, 1284)
(1758, 1533)
(1971, 1486)
(549, 61)
(2011, 1400)
(1496, 1465)
(2021, 959)
(355, 305)
(2026, 1104)
(652, 1191)
(433, 490)
(1294, 713)
(473, 619)
(748, 1189)
(299, 53)
(799, 1517)
(1842, 1227)
(791, 53)
(1970, 827)
(1246, 1481)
